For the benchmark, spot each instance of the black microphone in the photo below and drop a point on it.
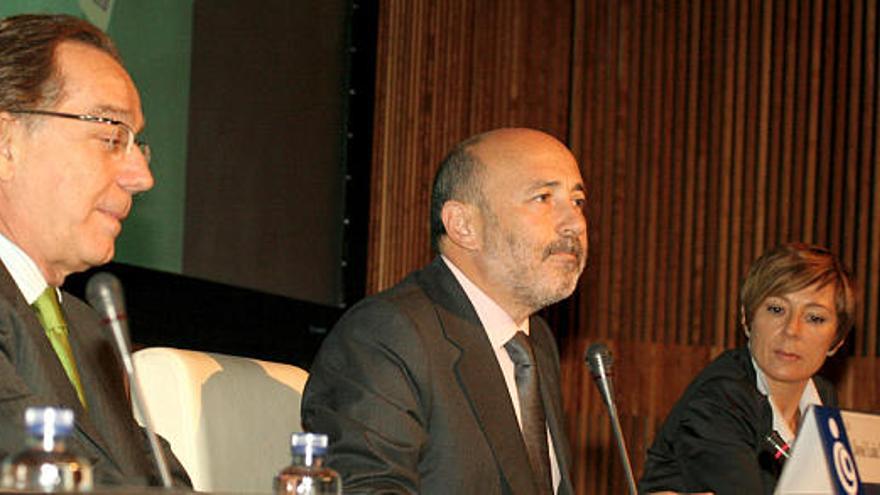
(104, 293)
(598, 357)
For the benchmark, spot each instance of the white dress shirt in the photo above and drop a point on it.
(500, 328)
(810, 396)
(24, 271)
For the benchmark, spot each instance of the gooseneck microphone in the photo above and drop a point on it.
(598, 358)
(104, 293)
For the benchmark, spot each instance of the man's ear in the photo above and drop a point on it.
(743, 322)
(461, 221)
(7, 146)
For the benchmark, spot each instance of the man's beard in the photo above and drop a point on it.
(533, 284)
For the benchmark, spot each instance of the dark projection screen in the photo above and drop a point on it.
(265, 172)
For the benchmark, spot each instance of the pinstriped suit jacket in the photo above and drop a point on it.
(32, 375)
(408, 388)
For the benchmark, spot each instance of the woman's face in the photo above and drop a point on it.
(792, 334)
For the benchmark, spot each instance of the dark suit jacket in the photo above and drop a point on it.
(713, 439)
(32, 375)
(409, 389)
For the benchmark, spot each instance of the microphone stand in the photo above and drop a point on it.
(104, 293)
(141, 408)
(599, 361)
(621, 447)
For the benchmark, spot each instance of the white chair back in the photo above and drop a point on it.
(228, 419)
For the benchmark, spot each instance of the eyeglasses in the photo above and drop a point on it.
(122, 141)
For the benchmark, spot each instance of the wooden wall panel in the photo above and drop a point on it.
(446, 70)
(707, 131)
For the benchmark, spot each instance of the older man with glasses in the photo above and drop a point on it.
(70, 163)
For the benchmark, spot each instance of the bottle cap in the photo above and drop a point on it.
(48, 421)
(308, 443)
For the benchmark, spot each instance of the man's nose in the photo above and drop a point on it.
(135, 175)
(572, 221)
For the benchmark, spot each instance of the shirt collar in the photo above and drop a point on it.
(810, 396)
(499, 326)
(25, 273)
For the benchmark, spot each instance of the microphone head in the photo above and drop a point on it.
(599, 359)
(104, 293)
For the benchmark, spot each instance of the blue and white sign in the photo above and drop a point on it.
(863, 431)
(822, 461)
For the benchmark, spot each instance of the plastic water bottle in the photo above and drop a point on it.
(45, 465)
(308, 475)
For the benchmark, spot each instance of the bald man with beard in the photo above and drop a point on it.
(417, 386)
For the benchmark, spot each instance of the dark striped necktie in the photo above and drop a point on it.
(531, 408)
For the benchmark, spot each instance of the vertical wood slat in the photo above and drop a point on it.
(648, 236)
(707, 130)
(810, 170)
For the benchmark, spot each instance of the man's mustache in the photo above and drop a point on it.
(565, 245)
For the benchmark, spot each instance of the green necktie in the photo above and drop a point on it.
(49, 313)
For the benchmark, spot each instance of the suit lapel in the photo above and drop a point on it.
(55, 387)
(479, 375)
(101, 393)
(43, 371)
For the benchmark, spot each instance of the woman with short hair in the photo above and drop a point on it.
(797, 307)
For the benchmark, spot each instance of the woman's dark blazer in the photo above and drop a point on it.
(713, 440)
